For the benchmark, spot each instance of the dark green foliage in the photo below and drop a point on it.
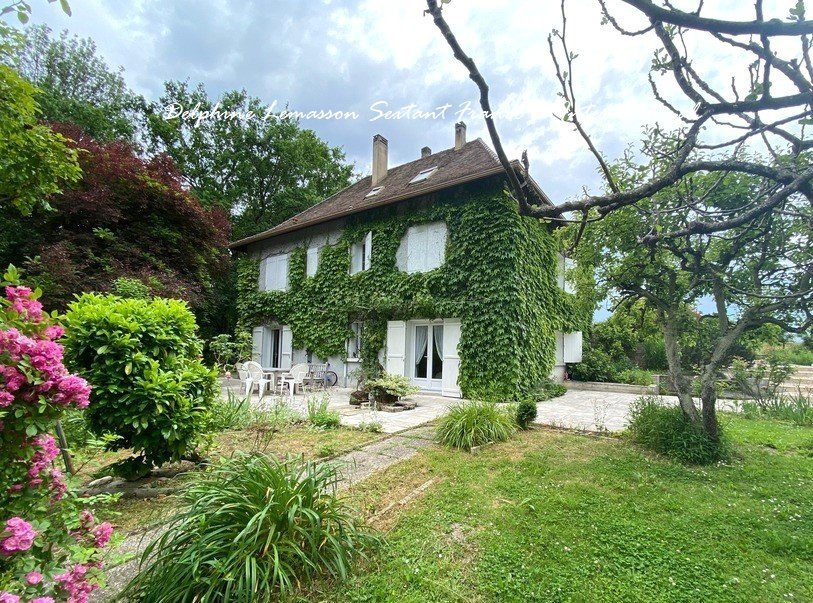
(141, 358)
(526, 413)
(664, 429)
(548, 389)
(475, 423)
(250, 530)
(499, 278)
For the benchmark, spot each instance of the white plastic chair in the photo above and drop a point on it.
(242, 373)
(296, 376)
(259, 378)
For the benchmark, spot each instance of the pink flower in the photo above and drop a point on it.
(21, 302)
(6, 399)
(54, 332)
(33, 578)
(9, 598)
(102, 533)
(20, 536)
(42, 600)
(73, 582)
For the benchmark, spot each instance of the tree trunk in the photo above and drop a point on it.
(680, 383)
(708, 396)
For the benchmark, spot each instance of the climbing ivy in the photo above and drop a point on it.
(499, 278)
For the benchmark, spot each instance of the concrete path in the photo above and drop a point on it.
(354, 467)
(588, 410)
(599, 411)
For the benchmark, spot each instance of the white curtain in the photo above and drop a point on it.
(437, 334)
(421, 339)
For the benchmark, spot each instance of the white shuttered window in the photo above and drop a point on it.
(423, 248)
(312, 261)
(274, 273)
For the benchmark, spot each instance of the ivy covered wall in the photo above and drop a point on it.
(499, 278)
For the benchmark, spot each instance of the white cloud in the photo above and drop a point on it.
(346, 54)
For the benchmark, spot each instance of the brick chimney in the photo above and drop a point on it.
(459, 135)
(425, 152)
(379, 158)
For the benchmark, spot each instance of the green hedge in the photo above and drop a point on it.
(142, 359)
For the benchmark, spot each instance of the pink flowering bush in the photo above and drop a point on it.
(51, 549)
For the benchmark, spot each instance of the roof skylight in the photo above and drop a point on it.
(423, 175)
(375, 191)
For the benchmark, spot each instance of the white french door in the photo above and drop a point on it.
(426, 364)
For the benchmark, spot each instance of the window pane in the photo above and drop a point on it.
(275, 349)
(421, 351)
(437, 352)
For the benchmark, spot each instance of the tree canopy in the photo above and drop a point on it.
(34, 161)
(262, 171)
(126, 217)
(76, 85)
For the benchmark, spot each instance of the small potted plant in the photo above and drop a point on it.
(389, 389)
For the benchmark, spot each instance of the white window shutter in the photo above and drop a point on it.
(282, 274)
(560, 348)
(286, 353)
(312, 261)
(396, 347)
(451, 358)
(368, 245)
(435, 245)
(355, 258)
(263, 269)
(257, 344)
(573, 347)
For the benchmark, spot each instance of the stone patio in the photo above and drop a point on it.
(428, 408)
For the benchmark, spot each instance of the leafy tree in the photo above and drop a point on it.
(757, 274)
(76, 84)
(127, 217)
(262, 171)
(34, 161)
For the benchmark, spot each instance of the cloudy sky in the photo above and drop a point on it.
(353, 55)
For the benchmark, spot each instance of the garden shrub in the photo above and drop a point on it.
(226, 351)
(665, 429)
(475, 423)
(131, 288)
(634, 376)
(320, 416)
(549, 389)
(252, 529)
(51, 547)
(149, 386)
(390, 388)
(526, 413)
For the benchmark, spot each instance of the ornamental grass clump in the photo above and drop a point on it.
(473, 424)
(252, 529)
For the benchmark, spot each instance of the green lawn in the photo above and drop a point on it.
(553, 516)
(298, 440)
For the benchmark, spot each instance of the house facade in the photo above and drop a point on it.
(425, 270)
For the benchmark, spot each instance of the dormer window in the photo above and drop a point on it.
(375, 191)
(423, 175)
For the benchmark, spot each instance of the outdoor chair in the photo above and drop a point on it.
(258, 377)
(296, 376)
(243, 374)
